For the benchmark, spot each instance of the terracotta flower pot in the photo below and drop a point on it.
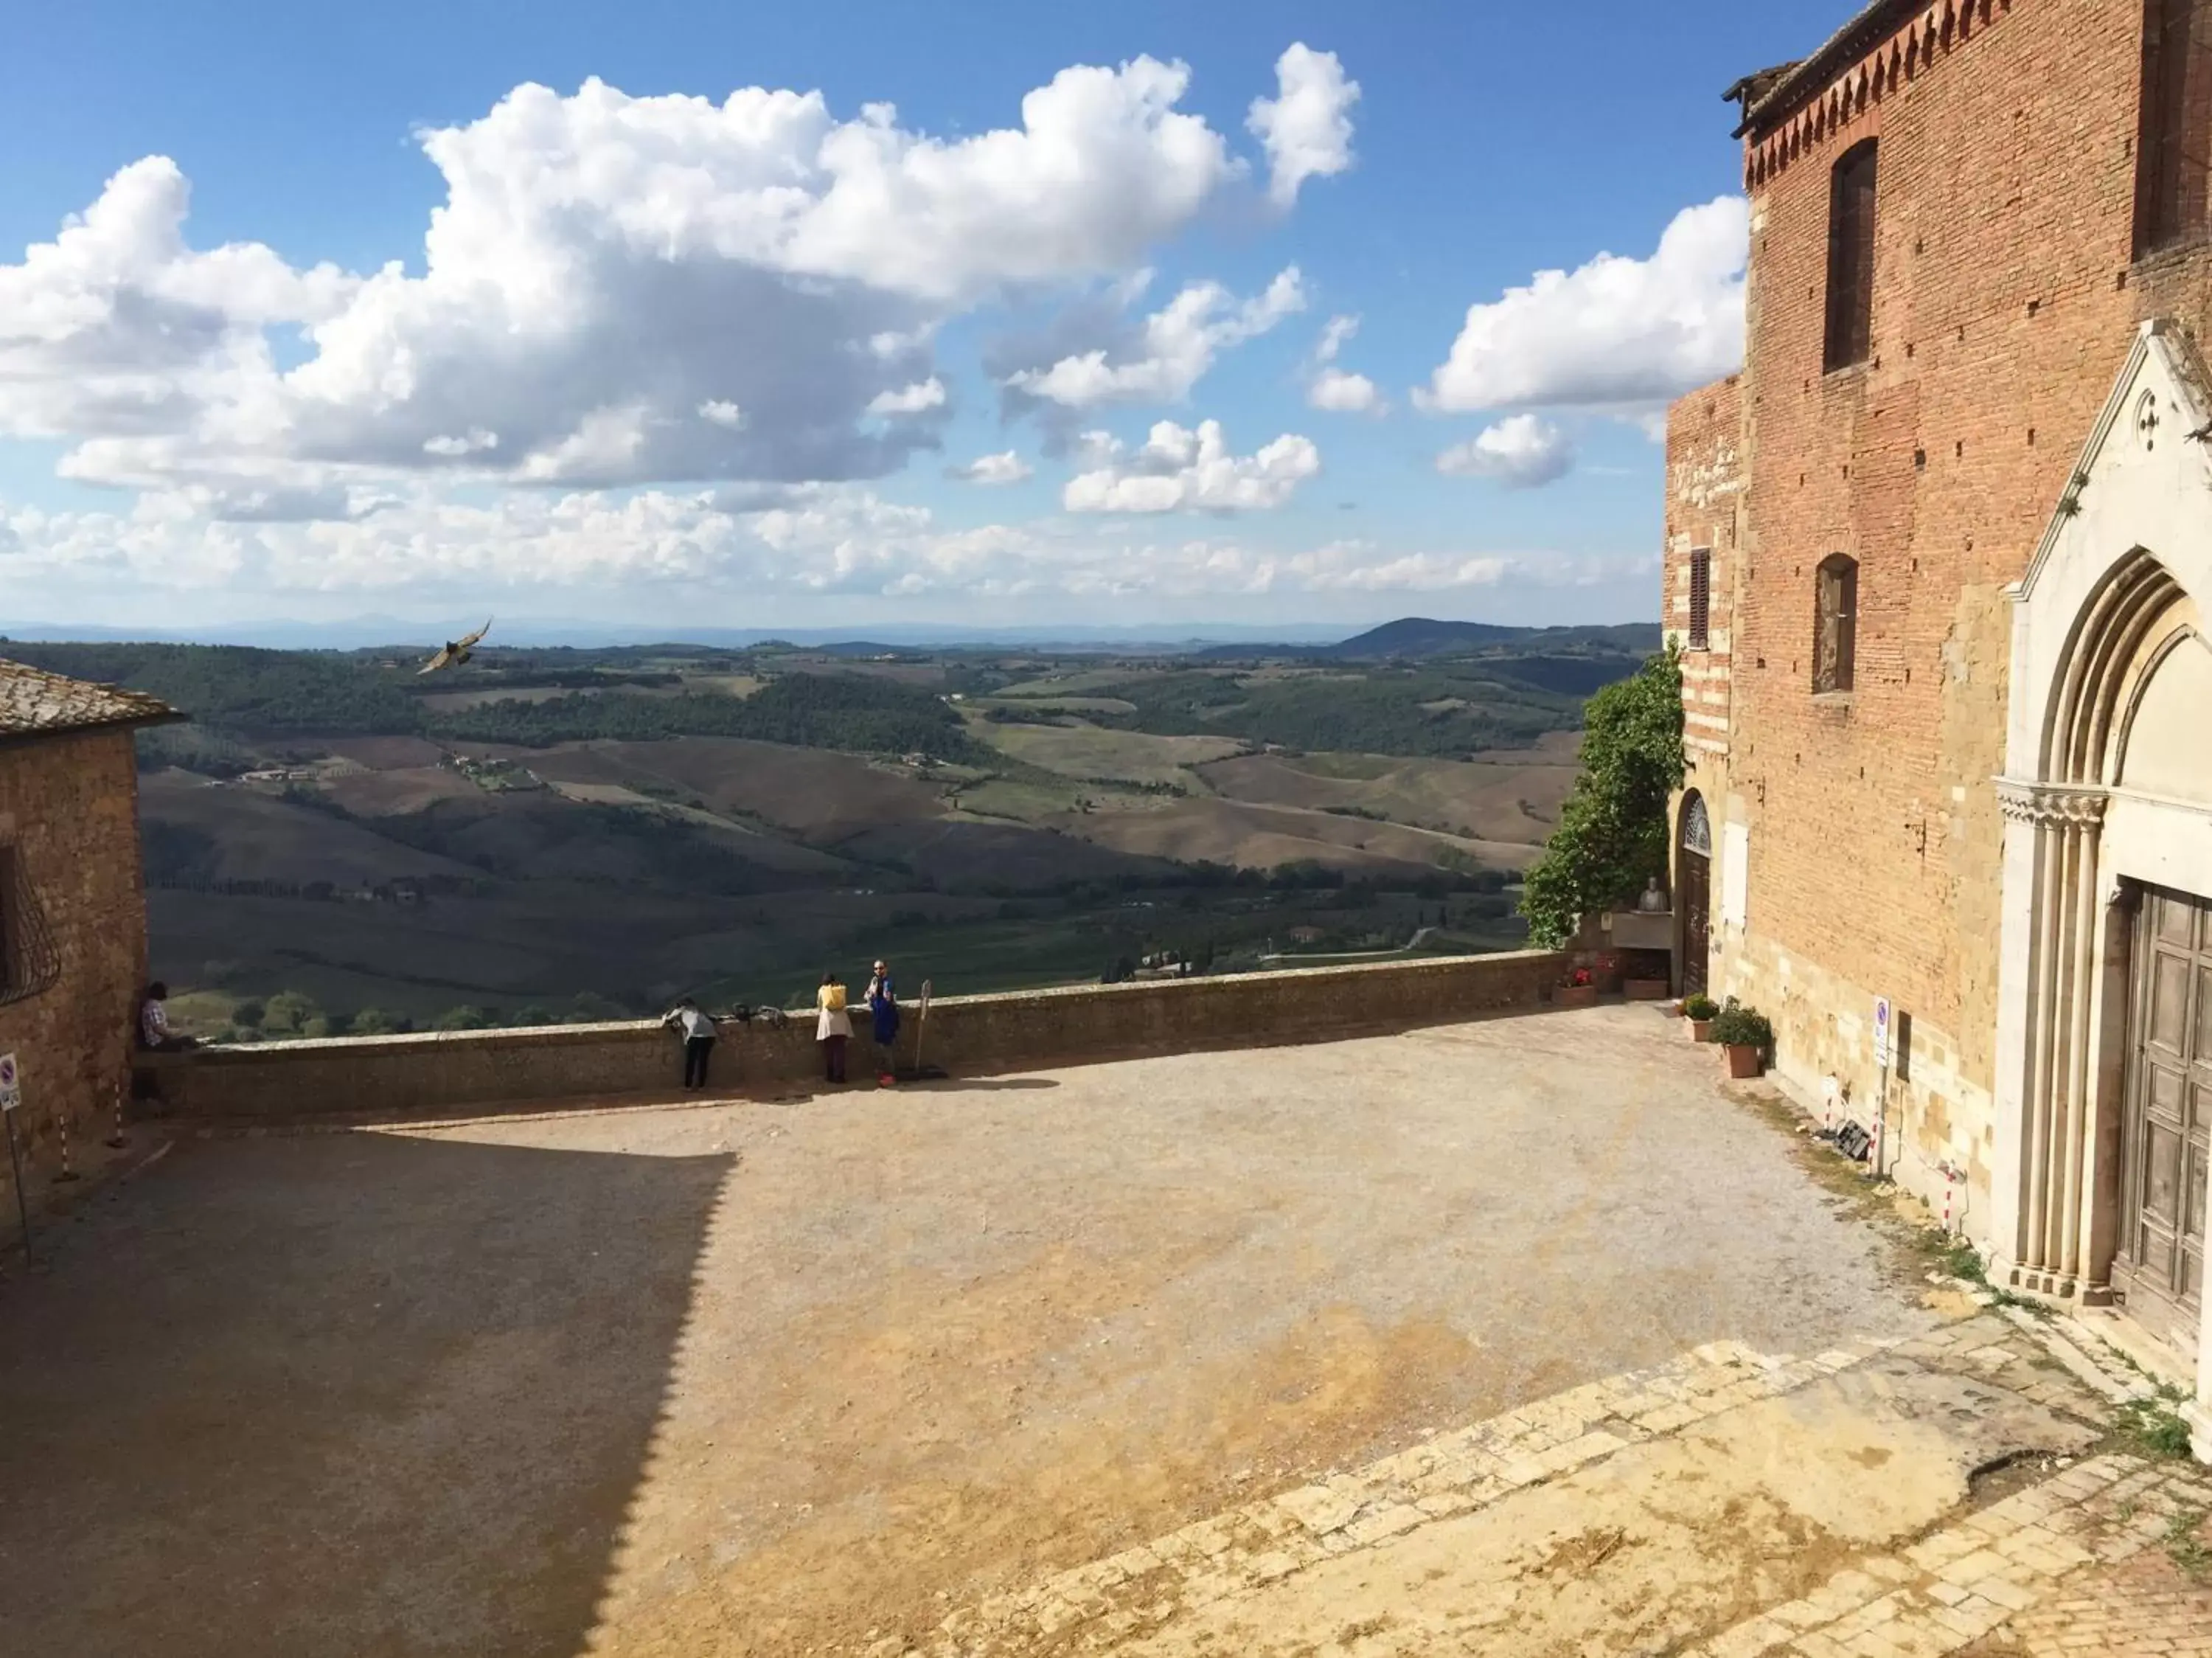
(1742, 1059)
(1643, 990)
(1701, 1030)
(1576, 996)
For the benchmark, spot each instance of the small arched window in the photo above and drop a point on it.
(1696, 828)
(1850, 259)
(1835, 622)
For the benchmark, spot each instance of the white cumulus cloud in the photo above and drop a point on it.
(451, 448)
(917, 399)
(1339, 393)
(1519, 451)
(714, 553)
(1621, 335)
(606, 277)
(1332, 388)
(1178, 468)
(1004, 467)
(1307, 128)
(1175, 347)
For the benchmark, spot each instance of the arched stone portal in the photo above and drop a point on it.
(2104, 1076)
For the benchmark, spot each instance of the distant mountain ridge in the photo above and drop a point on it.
(1419, 636)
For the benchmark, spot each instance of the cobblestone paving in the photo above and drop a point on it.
(2147, 1605)
(2083, 1561)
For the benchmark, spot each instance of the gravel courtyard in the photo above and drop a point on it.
(812, 1375)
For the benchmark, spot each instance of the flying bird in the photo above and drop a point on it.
(454, 654)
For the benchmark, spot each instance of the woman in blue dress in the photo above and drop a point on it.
(882, 1003)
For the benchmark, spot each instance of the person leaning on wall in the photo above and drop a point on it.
(884, 1012)
(698, 1031)
(833, 1026)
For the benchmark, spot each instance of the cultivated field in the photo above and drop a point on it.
(1088, 752)
(542, 832)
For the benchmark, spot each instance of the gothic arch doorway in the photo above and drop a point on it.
(1693, 890)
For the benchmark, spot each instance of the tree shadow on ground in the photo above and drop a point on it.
(356, 1393)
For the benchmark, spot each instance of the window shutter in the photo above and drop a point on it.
(1701, 597)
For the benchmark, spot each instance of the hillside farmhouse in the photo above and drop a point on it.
(1939, 560)
(72, 902)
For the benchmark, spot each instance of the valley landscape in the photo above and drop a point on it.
(335, 843)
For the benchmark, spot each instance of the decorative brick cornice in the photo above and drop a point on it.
(2047, 804)
(1801, 112)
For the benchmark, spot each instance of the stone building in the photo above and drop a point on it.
(72, 903)
(1938, 560)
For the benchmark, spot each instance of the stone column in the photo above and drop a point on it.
(2048, 976)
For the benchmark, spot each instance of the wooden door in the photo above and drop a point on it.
(1694, 892)
(2160, 1269)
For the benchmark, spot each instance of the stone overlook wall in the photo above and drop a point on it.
(968, 1035)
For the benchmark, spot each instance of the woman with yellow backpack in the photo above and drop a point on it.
(833, 1027)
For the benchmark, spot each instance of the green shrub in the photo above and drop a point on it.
(246, 1013)
(287, 1013)
(1738, 1026)
(1611, 837)
(1699, 1007)
(373, 1022)
(462, 1018)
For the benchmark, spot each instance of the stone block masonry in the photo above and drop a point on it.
(968, 1035)
(69, 810)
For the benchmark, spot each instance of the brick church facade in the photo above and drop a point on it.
(1939, 562)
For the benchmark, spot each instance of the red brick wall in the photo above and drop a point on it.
(69, 806)
(2003, 306)
(2005, 302)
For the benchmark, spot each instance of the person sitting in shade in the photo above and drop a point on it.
(154, 1032)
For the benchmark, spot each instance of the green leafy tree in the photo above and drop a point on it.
(287, 1014)
(1612, 832)
(371, 1022)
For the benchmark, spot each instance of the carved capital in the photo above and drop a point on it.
(2047, 804)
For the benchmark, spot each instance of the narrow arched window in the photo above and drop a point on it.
(1701, 597)
(2176, 124)
(1835, 622)
(1850, 259)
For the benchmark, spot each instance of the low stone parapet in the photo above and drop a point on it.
(372, 1076)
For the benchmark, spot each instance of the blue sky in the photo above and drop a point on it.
(616, 395)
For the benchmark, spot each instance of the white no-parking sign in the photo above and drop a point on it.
(1882, 1034)
(11, 1086)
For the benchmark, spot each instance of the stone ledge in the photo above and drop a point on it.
(968, 1035)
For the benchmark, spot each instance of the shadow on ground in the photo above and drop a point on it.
(358, 1394)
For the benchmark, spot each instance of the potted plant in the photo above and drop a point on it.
(1699, 1011)
(1578, 990)
(1746, 1035)
(1640, 984)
